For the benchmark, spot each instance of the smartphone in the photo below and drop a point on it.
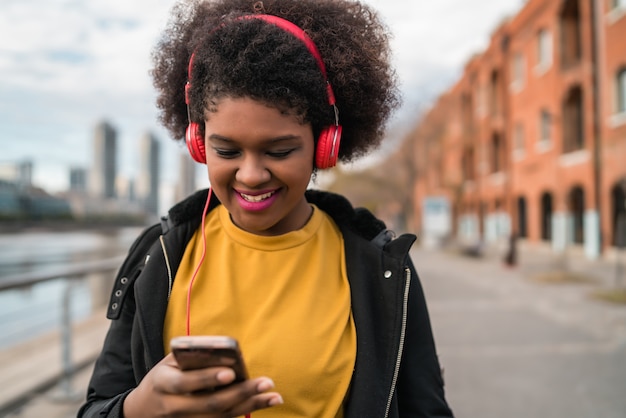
(201, 351)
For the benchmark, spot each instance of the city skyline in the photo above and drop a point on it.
(98, 186)
(80, 62)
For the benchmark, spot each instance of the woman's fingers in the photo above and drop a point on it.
(209, 393)
(229, 398)
(207, 380)
(235, 400)
(261, 401)
(171, 379)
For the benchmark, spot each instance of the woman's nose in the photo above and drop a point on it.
(252, 172)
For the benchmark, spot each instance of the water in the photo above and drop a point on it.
(28, 312)
(36, 251)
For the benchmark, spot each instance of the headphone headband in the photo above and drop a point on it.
(296, 31)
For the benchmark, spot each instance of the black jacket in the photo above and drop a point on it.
(397, 372)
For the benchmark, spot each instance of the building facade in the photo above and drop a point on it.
(531, 140)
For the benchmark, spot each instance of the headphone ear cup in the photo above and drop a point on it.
(328, 147)
(195, 142)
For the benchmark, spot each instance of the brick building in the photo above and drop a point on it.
(531, 140)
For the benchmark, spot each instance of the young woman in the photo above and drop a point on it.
(326, 305)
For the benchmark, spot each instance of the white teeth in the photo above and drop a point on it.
(257, 198)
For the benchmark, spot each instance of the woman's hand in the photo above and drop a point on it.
(167, 391)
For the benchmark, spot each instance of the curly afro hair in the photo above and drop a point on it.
(236, 57)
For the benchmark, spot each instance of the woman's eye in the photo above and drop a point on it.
(226, 153)
(280, 154)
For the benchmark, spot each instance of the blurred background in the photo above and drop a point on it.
(510, 146)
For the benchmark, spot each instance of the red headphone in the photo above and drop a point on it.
(330, 137)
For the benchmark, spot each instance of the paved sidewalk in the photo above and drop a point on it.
(517, 348)
(511, 347)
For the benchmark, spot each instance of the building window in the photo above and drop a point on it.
(518, 72)
(522, 221)
(570, 46)
(617, 10)
(496, 154)
(621, 90)
(573, 123)
(494, 94)
(544, 50)
(545, 126)
(546, 216)
(576, 208)
(618, 212)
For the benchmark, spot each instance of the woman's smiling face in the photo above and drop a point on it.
(260, 162)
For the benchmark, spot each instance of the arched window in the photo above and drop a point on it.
(577, 211)
(522, 226)
(618, 221)
(546, 216)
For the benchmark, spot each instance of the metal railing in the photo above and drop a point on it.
(70, 273)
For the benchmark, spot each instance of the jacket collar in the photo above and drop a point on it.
(359, 220)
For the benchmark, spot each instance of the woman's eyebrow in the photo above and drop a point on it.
(278, 139)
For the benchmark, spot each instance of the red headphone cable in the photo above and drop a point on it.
(195, 273)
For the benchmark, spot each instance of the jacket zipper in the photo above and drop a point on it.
(405, 302)
(169, 269)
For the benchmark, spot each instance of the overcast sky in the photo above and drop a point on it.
(67, 64)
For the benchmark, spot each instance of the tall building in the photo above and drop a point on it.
(126, 189)
(186, 176)
(78, 180)
(25, 176)
(148, 180)
(104, 169)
